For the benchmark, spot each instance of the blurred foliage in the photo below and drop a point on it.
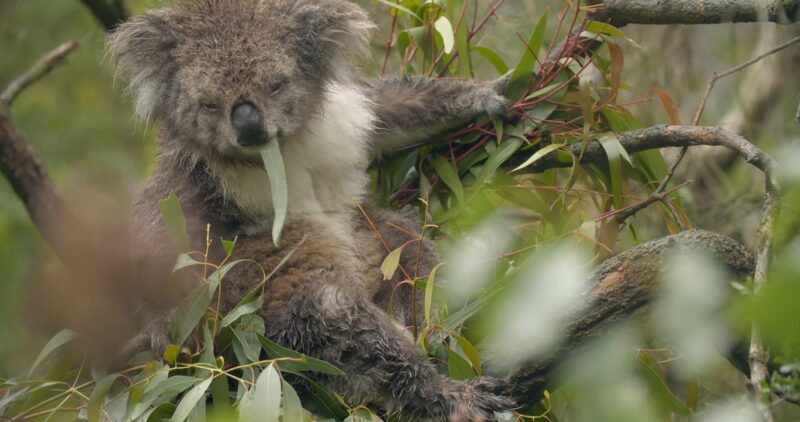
(513, 236)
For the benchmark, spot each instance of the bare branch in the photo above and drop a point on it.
(39, 70)
(19, 164)
(658, 193)
(620, 287)
(109, 13)
(692, 12)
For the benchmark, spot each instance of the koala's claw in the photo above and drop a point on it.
(480, 400)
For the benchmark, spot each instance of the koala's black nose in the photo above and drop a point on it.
(248, 125)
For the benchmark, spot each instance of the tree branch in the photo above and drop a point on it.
(620, 287)
(692, 12)
(109, 13)
(19, 164)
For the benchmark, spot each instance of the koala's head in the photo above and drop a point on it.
(225, 76)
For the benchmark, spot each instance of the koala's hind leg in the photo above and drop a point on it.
(328, 320)
(409, 110)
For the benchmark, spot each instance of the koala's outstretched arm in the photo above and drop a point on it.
(328, 320)
(410, 110)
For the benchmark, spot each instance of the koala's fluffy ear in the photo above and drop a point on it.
(331, 32)
(143, 50)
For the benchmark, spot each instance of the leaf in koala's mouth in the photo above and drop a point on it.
(273, 163)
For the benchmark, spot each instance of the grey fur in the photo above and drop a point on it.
(189, 64)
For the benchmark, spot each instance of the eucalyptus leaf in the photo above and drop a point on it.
(273, 163)
(266, 400)
(61, 338)
(190, 400)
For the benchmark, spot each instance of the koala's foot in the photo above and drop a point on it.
(384, 368)
(154, 336)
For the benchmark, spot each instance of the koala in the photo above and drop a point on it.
(222, 78)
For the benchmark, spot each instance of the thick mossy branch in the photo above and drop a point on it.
(692, 12)
(621, 287)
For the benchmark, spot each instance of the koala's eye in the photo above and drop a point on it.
(277, 87)
(209, 107)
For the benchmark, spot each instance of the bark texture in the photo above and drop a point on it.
(622, 286)
(692, 12)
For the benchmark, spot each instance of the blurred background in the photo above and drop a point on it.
(79, 119)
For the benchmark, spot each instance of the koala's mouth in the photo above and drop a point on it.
(248, 125)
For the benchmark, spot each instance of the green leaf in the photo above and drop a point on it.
(175, 222)
(445, 29)
(429, 294)
(448, 173)
(273, 163)
(219, 387)
(303, 363)
(538, 155)
(97, 399)
(603, 28)
(471, 353)
(390, 263)
(292, 408)
(493, 58)
(520, 78)
(171, 353)
(612, 149)
(189, 312)
(184, 261)
(246, 342)
(190, 400)
(266, 398)
(241, 310)
(497, 158)
(61, 338)
(228, 245)
(652, 375)
(457, 367)
(397, 6)
(168, 389)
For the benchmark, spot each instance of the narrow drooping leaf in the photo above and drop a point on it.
(303, 363)
(61, 338)
(98, 397)
(669, 105)
(652, 374)
(520, 78)
(273, 163)
(448, 173)
(429, 294)
(241, 310)
(175, 222)
(190, 400)
(538, 155)
(189, 312)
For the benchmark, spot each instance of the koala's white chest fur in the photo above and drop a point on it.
(325, 164)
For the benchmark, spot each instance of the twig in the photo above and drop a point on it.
(658, 193)
(39, 70)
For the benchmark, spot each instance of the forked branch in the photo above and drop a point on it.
(692, 12)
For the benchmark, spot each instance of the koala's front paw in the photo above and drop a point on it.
(480, 400)
(490, 100)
